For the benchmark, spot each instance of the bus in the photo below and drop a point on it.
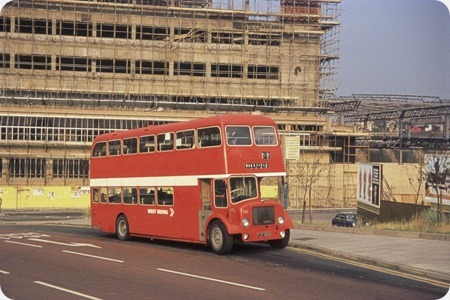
(195, 181)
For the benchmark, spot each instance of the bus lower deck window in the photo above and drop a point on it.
(165, 196)
(147, 196)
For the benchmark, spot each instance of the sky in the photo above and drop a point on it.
(394, 47)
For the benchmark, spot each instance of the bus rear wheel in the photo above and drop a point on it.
(281, 243)
(122, 228)
(219, 239)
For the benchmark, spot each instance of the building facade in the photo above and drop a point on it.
(71, 70)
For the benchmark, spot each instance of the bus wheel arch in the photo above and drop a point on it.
(122, 228)
(220, 241)
(281, 243)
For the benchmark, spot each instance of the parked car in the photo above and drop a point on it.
(344, 220)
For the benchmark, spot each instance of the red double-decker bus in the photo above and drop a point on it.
(196, 181)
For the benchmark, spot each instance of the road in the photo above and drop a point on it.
(69, 262)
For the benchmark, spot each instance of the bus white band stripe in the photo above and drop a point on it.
(212, 279)
(67, 290)
(166, 180)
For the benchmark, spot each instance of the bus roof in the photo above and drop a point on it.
(229, 119)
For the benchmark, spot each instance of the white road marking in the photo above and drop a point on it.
(212, 279)
(4, 272)
(72, 244)
(67, 290)
(24, 244)
(8, 236)
(94, 256)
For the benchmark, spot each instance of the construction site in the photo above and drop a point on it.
(71, 70)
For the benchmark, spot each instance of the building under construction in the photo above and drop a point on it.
(71, 70)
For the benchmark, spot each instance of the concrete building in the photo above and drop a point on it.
(71, 70)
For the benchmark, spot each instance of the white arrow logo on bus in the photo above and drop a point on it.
(153, 211)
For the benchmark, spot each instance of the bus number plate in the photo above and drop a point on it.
(264, 234)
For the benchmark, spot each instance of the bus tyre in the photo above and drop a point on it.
(122, 228)
(281, 243)
(219, 239)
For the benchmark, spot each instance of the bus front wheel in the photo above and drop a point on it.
(219, 239)
(122, 228)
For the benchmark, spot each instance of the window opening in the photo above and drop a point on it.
(103, 194)
(95, 195)
(220, 193)
(147, 195)
(129, 146)
(99, 149)
(165, 142)
(238, 135)
(165, 196)
(114, 147)
(185, 139)
(265, 135)
(129, 195)
(114, 195)
(209, 137)
(243, 188)
(147, 144)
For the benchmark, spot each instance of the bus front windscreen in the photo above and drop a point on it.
(243, 188)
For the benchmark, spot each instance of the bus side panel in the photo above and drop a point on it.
(210, 161)
(100, 218)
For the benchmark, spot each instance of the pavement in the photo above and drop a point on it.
(425, 255)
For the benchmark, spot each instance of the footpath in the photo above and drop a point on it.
(426, 255)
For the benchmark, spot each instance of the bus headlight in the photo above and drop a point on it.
(280, 220)
(282, 234)
(245, 222)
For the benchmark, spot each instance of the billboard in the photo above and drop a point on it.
(369, 184)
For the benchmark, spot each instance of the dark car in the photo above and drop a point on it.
(344, 220)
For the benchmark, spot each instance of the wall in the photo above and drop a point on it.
(336, 185)
(44, 197)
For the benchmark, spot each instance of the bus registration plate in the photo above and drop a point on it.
(264, 234)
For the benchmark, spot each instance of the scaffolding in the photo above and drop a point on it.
(260, 53)
(73, 69)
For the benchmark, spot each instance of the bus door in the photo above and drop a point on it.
(205, 210)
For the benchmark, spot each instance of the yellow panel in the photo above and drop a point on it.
(43, 197)
(269, 192)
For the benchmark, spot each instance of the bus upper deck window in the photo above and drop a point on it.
(147, 144)
(99, 150)
(129, 146)
(238, 135)
(209, 137)
(265, 135)
(185, 139)
(114, 147)
(165, 142)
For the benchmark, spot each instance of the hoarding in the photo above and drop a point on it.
(369, 184)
